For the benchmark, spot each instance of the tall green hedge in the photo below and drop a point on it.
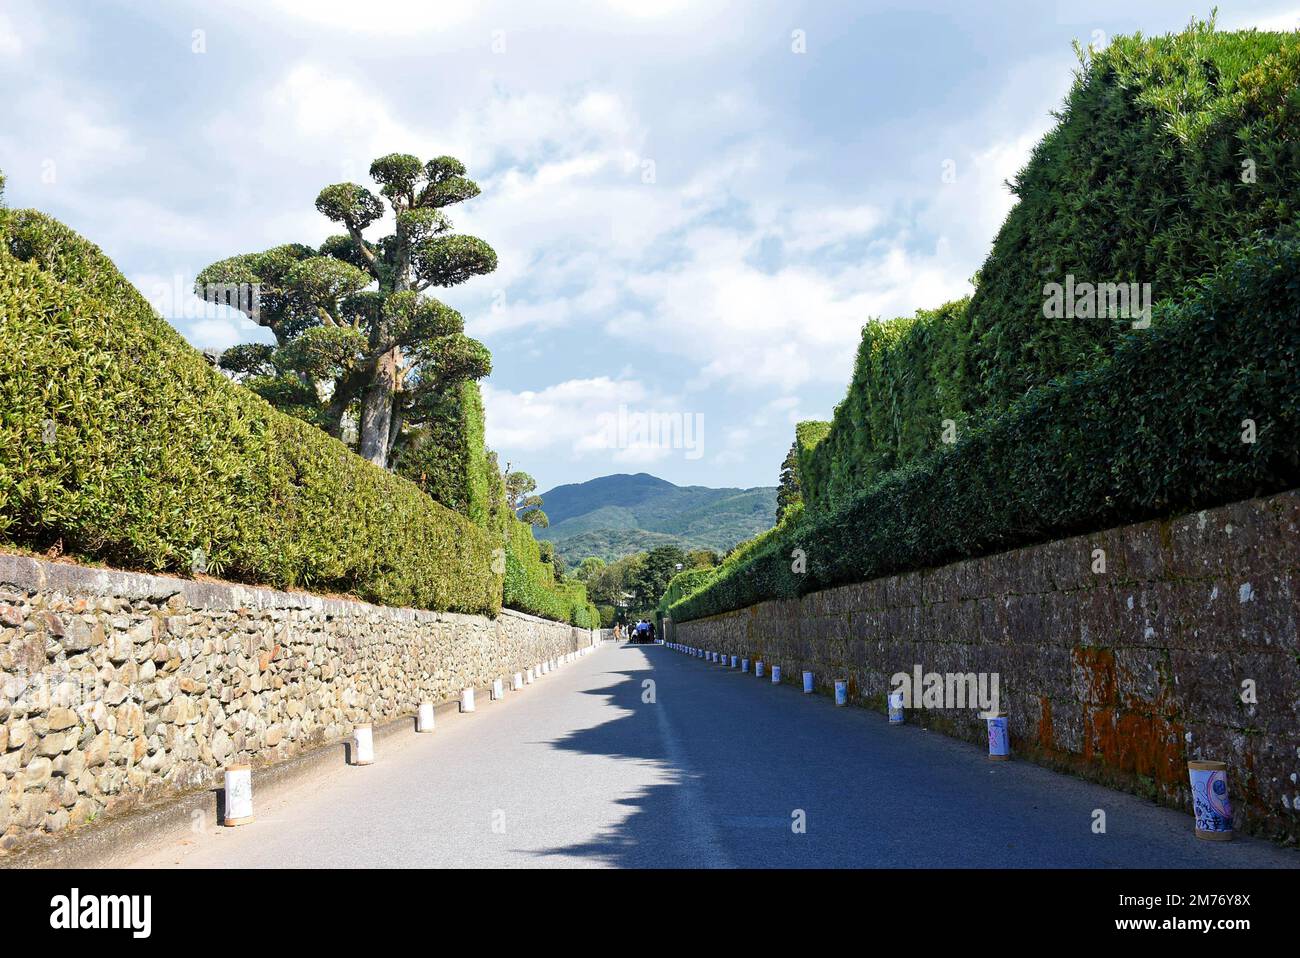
(1140, 181)
(446, 456)
(1155, 430)
(683, 584)
(119, 442)
(1168, 151)
(530, 584)
(907, 380)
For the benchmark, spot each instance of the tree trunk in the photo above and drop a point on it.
(395, 430)
(377, 410)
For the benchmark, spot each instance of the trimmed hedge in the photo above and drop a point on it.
(1156, 430)
(530, 584)
(908, 378)
(1143, 180)
(120, 443)
(446, 456)
(683, 584)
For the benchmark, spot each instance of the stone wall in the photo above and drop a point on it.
(118, 689)
(1120, 676)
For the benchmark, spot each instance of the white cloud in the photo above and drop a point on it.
(1283, 21)
(11, 44)
(399, 17)
(616, 420)
(813, 229)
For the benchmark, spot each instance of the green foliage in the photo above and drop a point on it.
(1141, 181)
(702, 559)
(610, 584)
(788, 491)
(445, 455)
(589, 567)
(683, 584)
(907, 379)
(118, 441)
(520, 487)
(385, 358)
(1168, 151)
(1156, 430)
(650, 580)
(530, 585)
(607, 614)
(808, 435)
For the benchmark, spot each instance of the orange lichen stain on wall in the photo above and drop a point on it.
(1097, 664)
(1046, 739)
(1137, 736)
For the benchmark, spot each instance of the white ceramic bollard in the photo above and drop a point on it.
(517, 682)
(776, 675)
(841, 692)
(467, 700)
(424, 718)
(363, 745)
(758, 669)
(807, 683)
(744, 665)
(239, 795)
(498, 690)
(528, 677)
(1211, 808)
(735, 661)
(999, 737)
(896, 715)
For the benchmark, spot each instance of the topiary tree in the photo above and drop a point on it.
(357, 340)
(520, 487)
(788, 491)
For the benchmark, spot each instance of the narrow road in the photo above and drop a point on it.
(578, 771)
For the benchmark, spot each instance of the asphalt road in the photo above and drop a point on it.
(578, 771)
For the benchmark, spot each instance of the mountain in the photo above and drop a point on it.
(614, 516)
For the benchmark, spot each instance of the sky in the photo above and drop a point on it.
(696, 205)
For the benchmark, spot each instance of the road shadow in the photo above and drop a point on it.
(649, 836)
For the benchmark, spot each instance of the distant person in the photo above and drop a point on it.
(651, 627)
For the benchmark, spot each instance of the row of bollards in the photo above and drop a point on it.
(238, 785)
(1212, 810)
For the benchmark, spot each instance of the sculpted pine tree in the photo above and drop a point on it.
(788, 492)
(357, 338)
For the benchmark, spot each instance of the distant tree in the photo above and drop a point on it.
(519, 497)
(650, 580)
(610, 584)
(702, 559)
(589, 567)
(788, 491)
(357, 342)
